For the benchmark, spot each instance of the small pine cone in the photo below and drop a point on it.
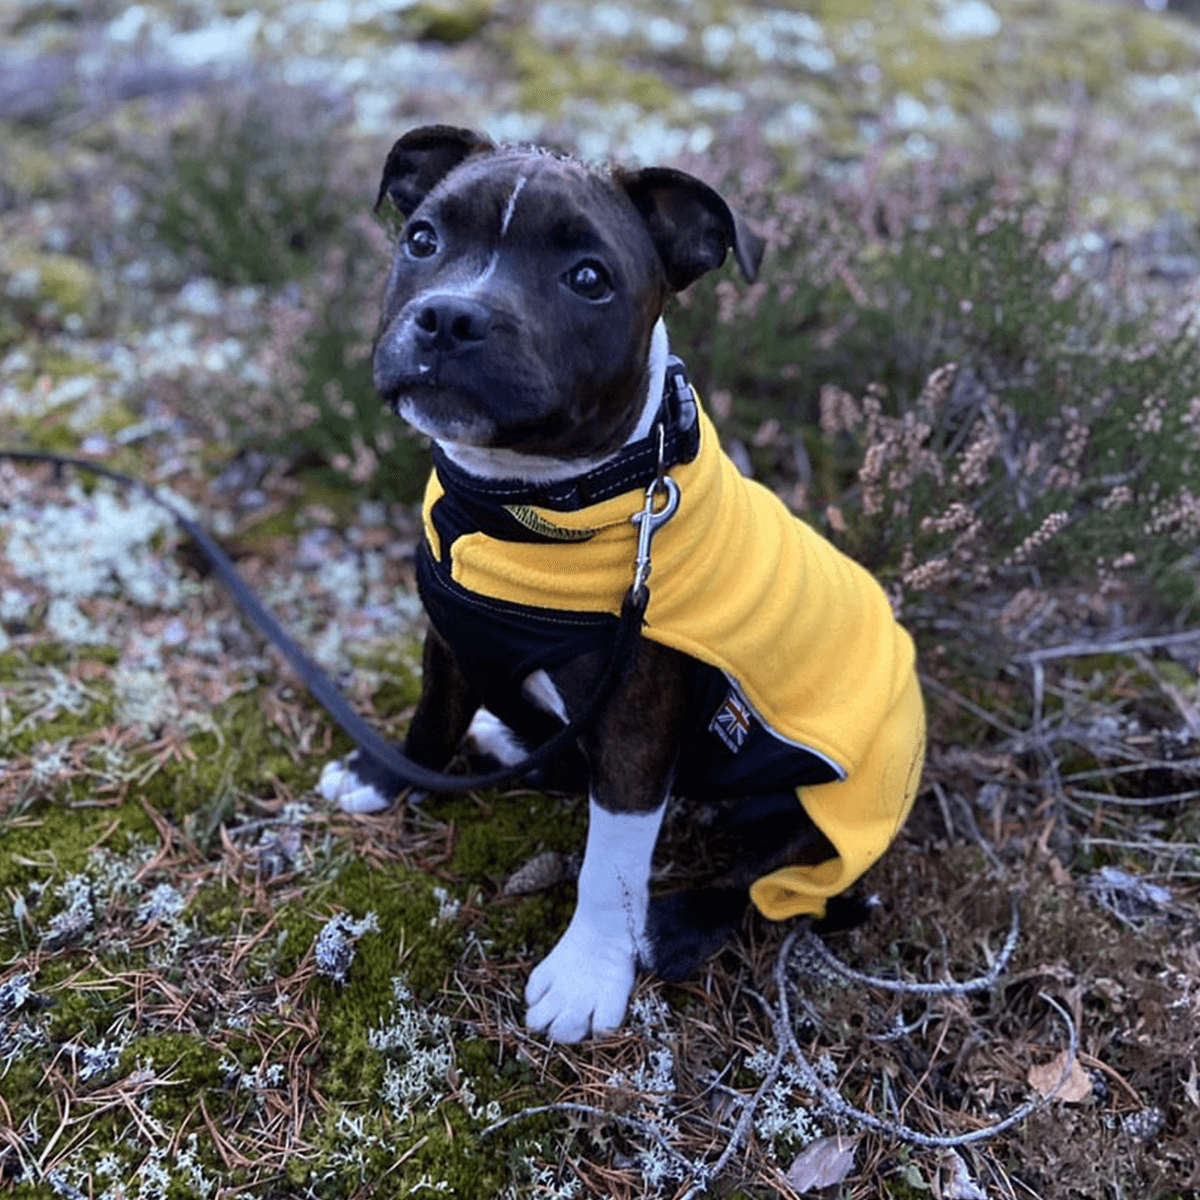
(542, 871)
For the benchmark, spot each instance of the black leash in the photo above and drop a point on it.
(322, 688)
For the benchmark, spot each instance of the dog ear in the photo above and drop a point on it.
(691, 226)
(421, 158)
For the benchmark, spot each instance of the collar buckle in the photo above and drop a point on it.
(679, 399)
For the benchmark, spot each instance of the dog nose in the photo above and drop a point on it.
(451, 323)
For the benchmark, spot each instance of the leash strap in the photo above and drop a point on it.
(322, 688)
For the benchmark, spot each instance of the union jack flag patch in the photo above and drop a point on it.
(732, 721)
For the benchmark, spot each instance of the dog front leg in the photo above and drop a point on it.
(444, 711)
(359, 784)
(583, 985)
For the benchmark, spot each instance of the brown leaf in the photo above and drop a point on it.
(1059, 873)
(1044, 1079)
(825, 1162)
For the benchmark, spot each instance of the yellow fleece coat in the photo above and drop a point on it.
(740, 583)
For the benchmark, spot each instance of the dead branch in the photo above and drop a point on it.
(843, 1109)
(950, 987)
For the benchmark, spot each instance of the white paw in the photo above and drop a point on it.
(491, 736)
(341, 786)
(582, 986)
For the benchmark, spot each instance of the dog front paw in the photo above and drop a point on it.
(582, 986)
(357, 784)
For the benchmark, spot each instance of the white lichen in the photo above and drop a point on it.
(448, 907)
(419, 1046)
(16, 992)
(95, 545)
(780, 1114)
(164, 903)
(335, 945)
(100, 1058)
(75, 917)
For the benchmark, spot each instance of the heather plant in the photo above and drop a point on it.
(316, 405)
(258, 190)
(930, 382)
(245, 192)
(332, 417)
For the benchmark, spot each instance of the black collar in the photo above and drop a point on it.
(634, 466)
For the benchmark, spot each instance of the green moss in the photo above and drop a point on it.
(53, 840)
(318, 491)
(496, 833)
(351, 1069)
(412, 941)
(263, 533)
(243, 752)
(907, 1183)
(549, 79)
(449, 21)
(187, 1060)
(469, 1169)
(23, 1092)
(69, 285)
(438, 1153)
(64, 727)
(53, 435)
(80, 1005)
(493, 1080)
(198, 792)
(219, 911)
(59, 364)
(54, 654)
(32, 169)
(533, 924)
(402, 687)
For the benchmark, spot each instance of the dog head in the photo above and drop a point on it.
(526, 287)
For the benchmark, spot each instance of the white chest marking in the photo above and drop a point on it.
(539, 688)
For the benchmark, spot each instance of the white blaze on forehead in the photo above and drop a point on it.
(505, 221)
(511, 206)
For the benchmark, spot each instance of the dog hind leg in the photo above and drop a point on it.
(685, 928)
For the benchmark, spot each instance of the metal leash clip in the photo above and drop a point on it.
(650, 519)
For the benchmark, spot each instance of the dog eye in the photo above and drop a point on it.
(421, 241)
(589, 280)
